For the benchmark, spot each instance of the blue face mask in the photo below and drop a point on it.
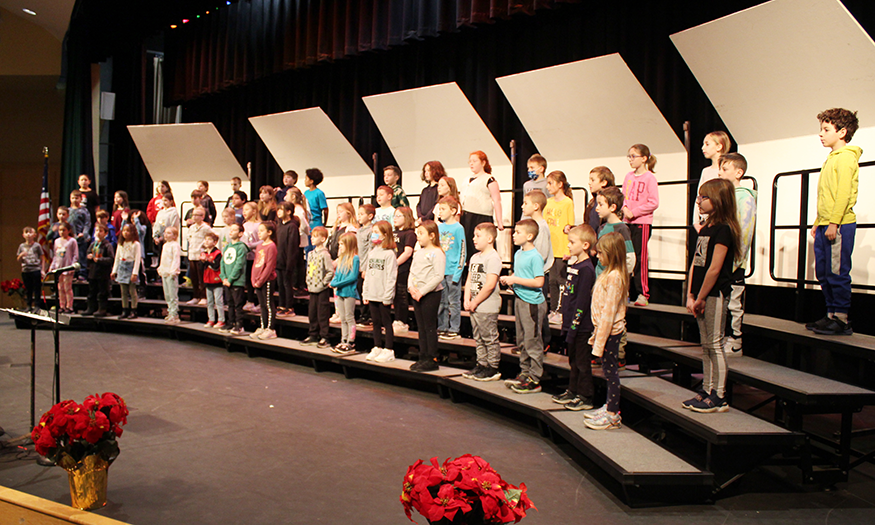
(375, 238)
(533, 175)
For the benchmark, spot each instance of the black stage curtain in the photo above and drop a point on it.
(254, 39)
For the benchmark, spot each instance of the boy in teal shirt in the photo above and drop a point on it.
(530, 307)
(453, 244)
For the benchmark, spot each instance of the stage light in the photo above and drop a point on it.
(185, 20)
(198, 16)
(172, 26)
(227, 2)
(28, 11)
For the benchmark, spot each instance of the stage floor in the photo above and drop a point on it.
(215, 437)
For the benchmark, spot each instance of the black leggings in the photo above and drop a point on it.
(402, 306)
(426, 312)
(285, 281)
(268, 304)
(382, 316)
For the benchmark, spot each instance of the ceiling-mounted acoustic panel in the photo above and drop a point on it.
(185, 152)
(769, 70)
(307, 138)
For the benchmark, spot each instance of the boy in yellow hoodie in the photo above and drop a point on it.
(836, 224)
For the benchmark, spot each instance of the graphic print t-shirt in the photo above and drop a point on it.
(709, 237)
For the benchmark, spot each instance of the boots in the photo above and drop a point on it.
(133, 314)
(126, 313)
(91, 307)
(101, 308)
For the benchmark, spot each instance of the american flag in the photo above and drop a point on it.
(45, 209)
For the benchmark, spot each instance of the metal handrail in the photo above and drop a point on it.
(803, 228)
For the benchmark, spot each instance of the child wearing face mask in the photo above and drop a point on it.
(378, 291)
(537, 171)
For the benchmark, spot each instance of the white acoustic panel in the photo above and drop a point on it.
(588, 113)
(770, 69)
(185, 152)
(307, 138)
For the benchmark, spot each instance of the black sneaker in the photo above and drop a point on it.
(596, 362)
(700, 395)
(528, 386)
(564, 398)
(323, 343)
(488, 374)
(310, 341)
(819, 324)
(473, 372)
(835, 326)
(429, 365)
(621, 364)
(580, 403)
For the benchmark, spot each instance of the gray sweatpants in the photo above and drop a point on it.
(485, 328)
(345, 307)
(529, 323)
(712, 324)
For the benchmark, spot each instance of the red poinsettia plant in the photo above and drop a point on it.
(464, 490)
(12, 286)
(69, 431)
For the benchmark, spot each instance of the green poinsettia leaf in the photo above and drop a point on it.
(512, 494)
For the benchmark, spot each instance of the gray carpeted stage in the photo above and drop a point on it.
(215, 437)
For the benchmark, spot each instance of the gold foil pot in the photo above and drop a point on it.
(88, 480)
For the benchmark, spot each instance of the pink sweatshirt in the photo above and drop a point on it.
(641, 193)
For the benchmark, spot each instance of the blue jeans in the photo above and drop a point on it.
(215, 303)
(450, 311)
(832, 266)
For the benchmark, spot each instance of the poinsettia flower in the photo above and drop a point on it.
(64, 414)
(96, 425)
(43, 439)
(448, 502)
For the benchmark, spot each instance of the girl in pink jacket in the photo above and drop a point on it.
(641, 194)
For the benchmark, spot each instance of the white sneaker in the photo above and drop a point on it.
(248, 307)
(385, 356)
(641, 301)
(555, 318)
(398, 326)
(267, 334)
(335, 319)
(256, 333)
(202, 302)
(375, 351)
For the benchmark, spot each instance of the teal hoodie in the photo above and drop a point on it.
(234, 263)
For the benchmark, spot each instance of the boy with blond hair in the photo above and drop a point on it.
(733, 166)
(483, 301)
(530, 307)
(536, 167)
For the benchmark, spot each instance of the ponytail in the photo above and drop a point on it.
(558, 176)
(644, 151)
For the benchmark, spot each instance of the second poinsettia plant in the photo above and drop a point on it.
(69, 431)
(464, 490)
